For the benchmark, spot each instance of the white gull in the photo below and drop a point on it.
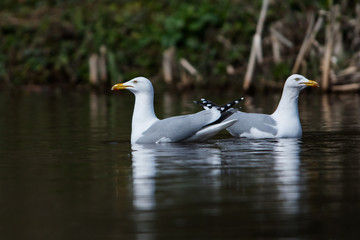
(147, 128)
(283, 123)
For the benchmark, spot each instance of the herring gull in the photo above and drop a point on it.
(147, 128)
(283, 123)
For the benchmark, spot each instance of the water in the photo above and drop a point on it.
(68, 171)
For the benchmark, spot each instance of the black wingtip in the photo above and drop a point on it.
(229, 105)
(206, 103)
(223, 108)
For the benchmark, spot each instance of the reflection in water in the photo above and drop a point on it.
(97, 109)
(272, 166)
(144, 172)
(152, 162)
(274, 163)
(148, 164)
(287, 163)
(156, 160)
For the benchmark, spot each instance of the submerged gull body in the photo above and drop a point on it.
(283, 123)
(147, 128)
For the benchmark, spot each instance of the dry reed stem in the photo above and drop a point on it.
(331, 30)
(102, 64)
(256, 46)
(346, 87)
(93, 68)
(308, 41)
(169, 65)
(188, 69)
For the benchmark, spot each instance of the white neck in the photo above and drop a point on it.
(287, 114)
(143, 109)
(288, 104)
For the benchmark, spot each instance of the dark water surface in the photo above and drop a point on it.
(68, 171)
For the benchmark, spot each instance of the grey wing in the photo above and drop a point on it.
(179, 128)
(246, 121)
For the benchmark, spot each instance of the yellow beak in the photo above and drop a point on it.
(311, 83)
(120, 86)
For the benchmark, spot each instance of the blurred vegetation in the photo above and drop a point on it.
(51, 41)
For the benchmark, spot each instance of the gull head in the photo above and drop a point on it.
(300, 82)
(135, 85)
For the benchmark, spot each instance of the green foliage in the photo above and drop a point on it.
(52, 40)
(281, 71)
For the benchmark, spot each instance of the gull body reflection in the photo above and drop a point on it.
(287, 167)
(154, 166)
(144, 172)
(270, 166)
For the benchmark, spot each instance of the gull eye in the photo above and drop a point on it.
(297, 79)
(135, 81)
